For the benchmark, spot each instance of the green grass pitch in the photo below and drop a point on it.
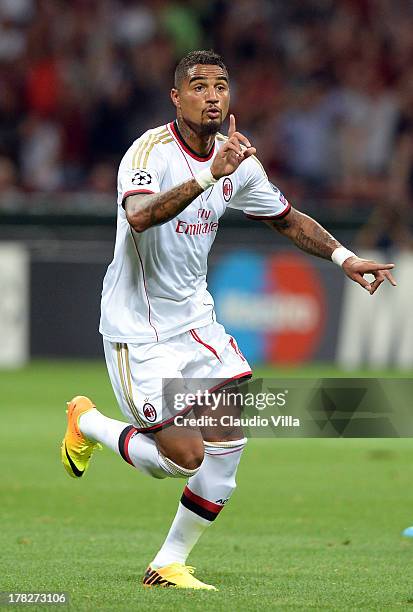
(313, 525)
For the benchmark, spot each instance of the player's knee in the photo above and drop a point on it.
(194, 460)
(180, 466)
(190, 458)
(185, 460)
(182, 454)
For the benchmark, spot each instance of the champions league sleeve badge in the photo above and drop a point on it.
(141, 177)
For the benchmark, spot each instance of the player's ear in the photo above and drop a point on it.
(175, 97)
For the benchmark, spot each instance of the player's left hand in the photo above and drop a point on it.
(355, 268)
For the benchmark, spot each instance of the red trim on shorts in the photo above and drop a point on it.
(220, 385)
(204, 503)
(187, 409)
(269, 218)
(185, 147)
(164, 423)
(198, 339)
(236, 349)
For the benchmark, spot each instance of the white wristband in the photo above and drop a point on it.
(340, 254)
(205, 179)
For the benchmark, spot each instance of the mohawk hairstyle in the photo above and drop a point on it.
(208, 58)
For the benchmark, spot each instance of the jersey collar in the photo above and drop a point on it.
(202, 158)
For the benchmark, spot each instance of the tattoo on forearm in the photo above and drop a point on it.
(307, 234)
(162, 207)
(314, 239)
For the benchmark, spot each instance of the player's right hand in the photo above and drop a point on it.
(233, 152)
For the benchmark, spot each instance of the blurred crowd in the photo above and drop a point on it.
(324, 88)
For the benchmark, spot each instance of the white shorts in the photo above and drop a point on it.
(138, 371)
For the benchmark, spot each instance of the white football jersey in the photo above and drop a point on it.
(156, 285)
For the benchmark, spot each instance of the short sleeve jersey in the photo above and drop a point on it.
(156, 285)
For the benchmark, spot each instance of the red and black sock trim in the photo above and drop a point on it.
(204, 508)
(123, 443)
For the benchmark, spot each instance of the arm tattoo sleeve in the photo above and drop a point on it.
(144, 211)
(307, 234)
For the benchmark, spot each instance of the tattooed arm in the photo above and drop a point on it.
(312, 238)
(306, 233)
(144, 211)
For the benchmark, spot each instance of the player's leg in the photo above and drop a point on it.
(166, 452)
(211, 487)
(202, 500)
(207, 491)
(87, 426)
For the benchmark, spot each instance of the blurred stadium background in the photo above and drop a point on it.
(324, 88)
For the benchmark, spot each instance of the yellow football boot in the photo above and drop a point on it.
(76, 450)
(175, 575)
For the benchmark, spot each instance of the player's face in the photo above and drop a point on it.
(202, 101)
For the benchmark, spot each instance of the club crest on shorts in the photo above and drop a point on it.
(227, 189)
(149, 412)
(142, 177)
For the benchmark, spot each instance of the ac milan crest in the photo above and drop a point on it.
(142, 178)
(149, 412)
(227, 189)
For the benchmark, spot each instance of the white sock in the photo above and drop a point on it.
(137, 449)
(184, 533)
(202, 500)
(95, 426)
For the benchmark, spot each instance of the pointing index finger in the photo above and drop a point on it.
(232, 127)
(373, 266)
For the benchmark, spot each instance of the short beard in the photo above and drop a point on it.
(209, 129)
